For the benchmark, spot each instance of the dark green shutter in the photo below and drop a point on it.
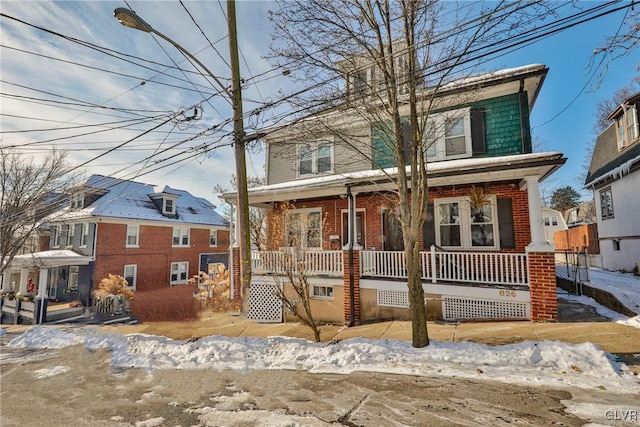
(505, 224)
(478, 133)
(429, 228)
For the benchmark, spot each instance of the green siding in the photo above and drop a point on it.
(503, 127)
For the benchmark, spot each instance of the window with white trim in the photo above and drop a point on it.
(130, 275)
(213, 238)
(315, 158)
(133, 232)
(84, 237)
(305, 228)
(460, 225)
(550, 221)
(627, 126)
(179, 273)
(606, 203)
(168, 206)
(322, 292)
(70, 233)
(448, 135)
(77, 200)
(180, 237)
(57, 235)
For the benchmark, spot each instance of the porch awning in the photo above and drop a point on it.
(451, 172)
(47, 259)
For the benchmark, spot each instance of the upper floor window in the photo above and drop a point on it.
(606, 203)
(461, 225)
(77, 200)
(180, 237)
(70, 234)
(84, 237)
(57, 235)
(213, 238)
(133, 232)
(627, 127)
(448, 135)
(305, 228)
(315, 158)
(550, 221)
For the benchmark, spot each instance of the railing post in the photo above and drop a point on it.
(434, 273)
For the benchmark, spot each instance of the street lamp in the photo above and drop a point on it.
(130, 19)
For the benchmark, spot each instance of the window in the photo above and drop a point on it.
(460, 225)
(74, 273)
(70, 234)
(550, 221)
(77, 200)
(130, 273)
(179, 272)
(315, 158)
(606, 203)
(57, 235)
(180, 237)
(627, 126)
(84, 237)
(616, 244)
(448, 135)
(213, 238)
(168, 206)
(305, 228)
(132, 236)
(322, 292)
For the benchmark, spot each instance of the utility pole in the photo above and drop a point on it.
(244, 239)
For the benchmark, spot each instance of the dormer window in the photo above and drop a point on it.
(627, 126)
(168, 206)
(77, 200)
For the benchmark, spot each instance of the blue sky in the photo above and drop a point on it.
(562, 118)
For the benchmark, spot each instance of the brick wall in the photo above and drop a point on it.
(542, 283)
(154, 255)
(347, 287)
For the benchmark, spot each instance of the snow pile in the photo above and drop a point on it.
(534, 363)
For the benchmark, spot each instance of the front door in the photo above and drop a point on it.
(345, 228)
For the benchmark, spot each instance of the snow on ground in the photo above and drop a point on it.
(624, 286)
(547, 363)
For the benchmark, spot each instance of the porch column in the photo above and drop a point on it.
(535, 212)
(5, 285)
(347, 286)
(351, 222)
(42, 283)
(24, 280)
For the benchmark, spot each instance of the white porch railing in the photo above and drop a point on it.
(313, 263)
(468, 267)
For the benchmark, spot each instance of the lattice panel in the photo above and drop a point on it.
(470, 308)
(264, 305)
(393, 298)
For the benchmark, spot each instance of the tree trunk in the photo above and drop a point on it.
(419, 333)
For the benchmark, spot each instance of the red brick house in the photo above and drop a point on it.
(154, 237)
(487, 262)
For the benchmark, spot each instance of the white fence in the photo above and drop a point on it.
(469, 267)
(312, 263)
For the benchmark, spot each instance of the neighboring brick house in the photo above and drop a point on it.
(487, 262)
(614, 178)
(154, 237)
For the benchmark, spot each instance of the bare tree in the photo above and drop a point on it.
(257, 216)
(29, 191)
(398, 60)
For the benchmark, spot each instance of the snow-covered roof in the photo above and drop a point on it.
(123, 199)
(52, 258)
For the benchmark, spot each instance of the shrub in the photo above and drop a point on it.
(113, 285)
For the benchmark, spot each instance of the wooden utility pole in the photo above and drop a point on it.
(244, 239)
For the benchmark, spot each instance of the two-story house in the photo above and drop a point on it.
(153, 236)
(614, 178)
(479, 261)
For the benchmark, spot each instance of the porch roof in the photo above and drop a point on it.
(452, 172)
(47, 259)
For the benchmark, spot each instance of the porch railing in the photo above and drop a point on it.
(468, 267)
(313, 263)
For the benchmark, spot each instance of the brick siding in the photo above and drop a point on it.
(542, 283)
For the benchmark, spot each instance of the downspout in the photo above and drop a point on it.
(522, 97)
(352, 305)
